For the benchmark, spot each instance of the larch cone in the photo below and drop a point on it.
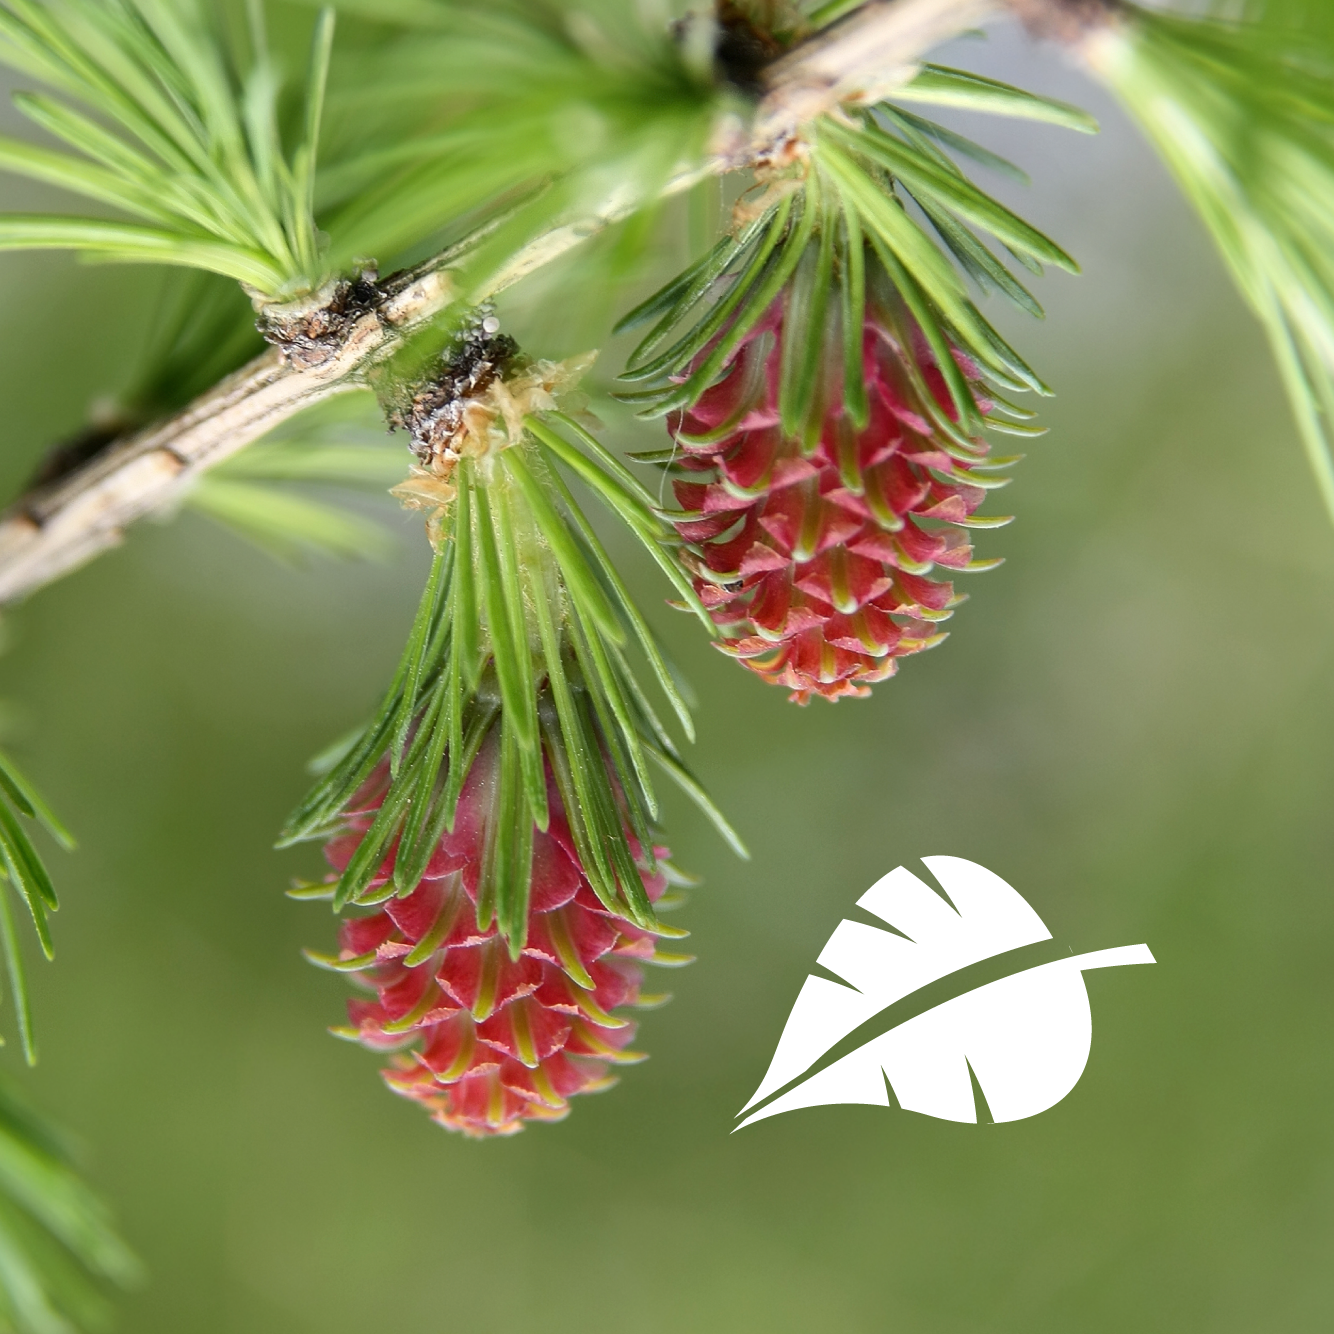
(821, 569)
(483, 1040)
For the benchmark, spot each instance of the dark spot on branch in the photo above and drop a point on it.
(310, 336)
(430, 408)
(70, 455)
(743, 50)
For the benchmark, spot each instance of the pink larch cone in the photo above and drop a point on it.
(818, 569)
(485, 1041)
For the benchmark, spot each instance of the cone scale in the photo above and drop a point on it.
(486, 1039)
(822, 565)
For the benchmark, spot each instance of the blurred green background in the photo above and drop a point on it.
(1133, 723)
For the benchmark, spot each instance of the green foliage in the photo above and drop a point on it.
(284, 524)
(22, 866)
(58, 1244)
(185, 129)
(171, 127)
(263, 494)
(559, 115)
(1244, 117)
(1309, 23)
(942, 86)
(525, 626)
(204, 328)
(851, 203)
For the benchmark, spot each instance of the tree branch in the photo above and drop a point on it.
(864, 58)
(59, 526)
(55, 528)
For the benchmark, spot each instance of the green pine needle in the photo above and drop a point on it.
(1244, 117)
(167, 127)
(59, 1248)
(288, 525)
(941, 86)
(262, 492)
(865, 172)
(488, 105)
(22, 867)
(549, 621)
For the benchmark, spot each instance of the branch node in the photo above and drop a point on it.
(314, 328)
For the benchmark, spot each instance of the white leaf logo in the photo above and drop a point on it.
(1026, 1038)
